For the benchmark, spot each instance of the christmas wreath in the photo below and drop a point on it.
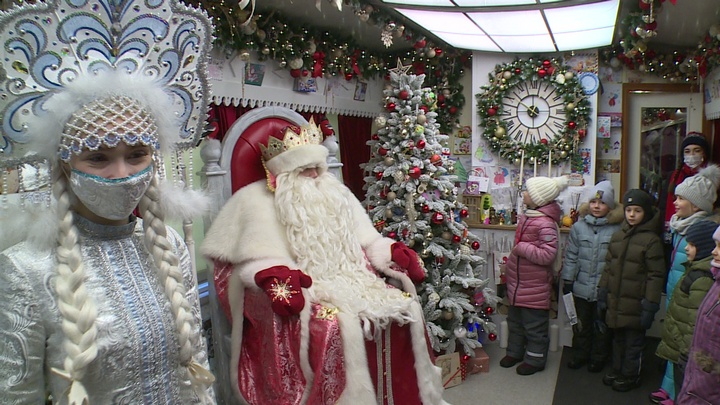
(503, 80)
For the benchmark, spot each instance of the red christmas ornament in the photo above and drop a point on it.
(421, 144)
(424, 108)
(295, 73)
(476, 245)
(441, 105)
(374, 137)
(550, 70)
(440, 259)
(392, 234)
(491, 111)
(390, 106)
(435, 159)
(387, 77)
(492, 337)
(420, 44)
(489, 311)
(379, 175)
(456, 238)
(546, 63)
(645, 4)
(542, 72)
(425, 209)
(348, 76)
(453, 110)
(518, 71)
(383, 194)
(404, 94)
(382, 151)
(404, 233)
(438, 218)
(438, 52)
(441, 97)
(572, 124)
(582, 133)
(544, 141)
(415, 172)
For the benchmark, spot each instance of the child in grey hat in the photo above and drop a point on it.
(583, 265)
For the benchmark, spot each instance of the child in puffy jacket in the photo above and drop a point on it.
(583, 265)
(689, 293)
(701, 384)
(530, 273)
(630, 287)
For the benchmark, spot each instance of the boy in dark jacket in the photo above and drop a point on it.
(583, 265)
(689, 293)
(530, 273)
(631, 285)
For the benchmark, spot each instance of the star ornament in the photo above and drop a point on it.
(400, 69)
(281, 291)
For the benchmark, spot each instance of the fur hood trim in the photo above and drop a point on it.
(34, 222)
(297, 157)
(614, 216)
(380, 255)
(182, 204)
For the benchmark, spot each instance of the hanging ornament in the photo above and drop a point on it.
(379, 225)
(434, 297)
(425, 209)
(379, 175)
(421, 119)
(388, 213)
(434, 159)
(489, 310)
(448, 315)
(456, 238)
(415, 172)
(572, 124)
(404, 94)
(380, 121)
(492, 337)
(374, 137)
(463, 213)
(392, 235)
(389, 161)
(447, 235)
(440, 259)
(421, 143)
(476, 245)
(460, 332)
(391, 196)
(390, 106)
(382, 151)
(438, 218)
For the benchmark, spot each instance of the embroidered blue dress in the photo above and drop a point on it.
(137, 361)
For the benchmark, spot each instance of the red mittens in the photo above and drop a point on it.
(407, 259)
(282, 285)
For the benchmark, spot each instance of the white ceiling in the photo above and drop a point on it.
(681, 25)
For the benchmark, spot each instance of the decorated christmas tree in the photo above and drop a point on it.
(412, 197)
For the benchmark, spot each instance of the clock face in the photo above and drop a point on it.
(532, 111)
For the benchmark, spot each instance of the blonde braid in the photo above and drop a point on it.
(77, 309)
(169, 273)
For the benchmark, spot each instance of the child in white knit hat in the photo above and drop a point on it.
(583, 265)
(530, 274)
(694, 200)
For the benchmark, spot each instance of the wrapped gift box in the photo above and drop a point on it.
(478, 364)
(452, 374)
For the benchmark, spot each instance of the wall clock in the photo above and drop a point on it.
(534, 107)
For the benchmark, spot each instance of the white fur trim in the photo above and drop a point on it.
(429, 376)
(237, 301)
(297, 157)
(182, 204)
(34, 222)
(359, 388)
(379, 253)
(245, 229)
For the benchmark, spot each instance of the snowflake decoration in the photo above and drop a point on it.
(281, 291)
(386, 38)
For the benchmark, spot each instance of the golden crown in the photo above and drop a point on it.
(308, 135)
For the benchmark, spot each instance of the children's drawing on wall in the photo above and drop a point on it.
(360, 91)
(462, 141)
(460, 168)
(609, 165)
(610, 98)
(586, 155)
(501, 174)
(254, 74)
(483, 153)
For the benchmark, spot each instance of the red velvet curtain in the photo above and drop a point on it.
(222, 117)
(354, 132)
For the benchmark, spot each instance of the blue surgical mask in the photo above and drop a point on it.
(113, 199)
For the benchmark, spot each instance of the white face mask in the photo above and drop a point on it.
(693, 161)
(113, 199)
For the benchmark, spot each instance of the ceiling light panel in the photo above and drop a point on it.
(525, 43)
(583, 17)
(475, 42)
(438, 21)
(588, 39)
(427, 3)
(491, 3)
(528, 22)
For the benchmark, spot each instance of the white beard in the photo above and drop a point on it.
(317, 214)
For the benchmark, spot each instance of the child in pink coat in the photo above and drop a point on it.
(530, 274)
